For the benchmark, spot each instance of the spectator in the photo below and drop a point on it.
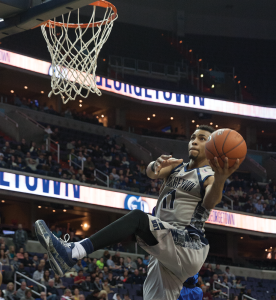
(58, 282)
(38, 274)
(226, 283)
(114, 174)
(125, 163)
(106, 287)
(96, 295)
(67, 295)
(4, 259)
(136, 278)
(57, 232)
(27, 261)
(31, 164)
(33, 149)
(46, 277)
(229, 275)
(146, 260)
(9, 292)
(92, 265)
(48, 130)
(35, 261)
(100, 263)
(11, 253)
(140, 266)
(21, 291)
(23, 271)
(97, 285)
(89, 166)
(3, 164)
(15, 264)
(111, 280)
(28, 295)
(76, 294)
(78, 266)
(206, 295)
(259, 207)
(126, 297)
(105, 272)
(81, 158)
(130, 265)
(248, 207)
(20, 255)
(217, 270)
(87, 285)
(78, 280)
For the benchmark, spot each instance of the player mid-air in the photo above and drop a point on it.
(174, 236)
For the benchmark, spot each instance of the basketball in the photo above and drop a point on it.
(226, 143)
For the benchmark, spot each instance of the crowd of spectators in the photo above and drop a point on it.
(89, 279)
(249, 196)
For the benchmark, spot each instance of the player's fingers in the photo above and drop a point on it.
(226, 166)
(235, 167)
(216, 163)
(175, 160)
(163, 156)
(212, 165)
(159, 160)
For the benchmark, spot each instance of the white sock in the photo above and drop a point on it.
(78, 251)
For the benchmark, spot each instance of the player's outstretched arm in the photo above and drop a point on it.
(162, 167)
(214, 184)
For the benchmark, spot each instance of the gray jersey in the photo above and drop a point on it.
(182, 192)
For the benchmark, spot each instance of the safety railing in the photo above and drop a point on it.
(49, 141)
(96, 171)
(230, 200)
(30, 119)
(257, 165)
(156, 148)
(223, 286)
(248, 297)
(55, 148)
(136, 144)
(29, 279)
(75, 163)
(8, 119)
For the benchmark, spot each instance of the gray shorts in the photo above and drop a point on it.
(175, 258)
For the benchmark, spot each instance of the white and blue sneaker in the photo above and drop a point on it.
(59, 251)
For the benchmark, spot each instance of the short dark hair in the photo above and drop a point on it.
(80, 271)
(108, 256)
(206, 128)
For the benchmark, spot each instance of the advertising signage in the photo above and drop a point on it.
(120, 200)
(145, 94)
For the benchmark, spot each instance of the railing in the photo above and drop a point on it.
(229, 199)
(30, 119)
(137, 145)
(8, 119)
(224, 286)
(48, 140)
(261, 168)
(99, 179)
(157, 149)
(30, 279)
(151, 68)
(49, 147)
(245, 296)
(76, 164)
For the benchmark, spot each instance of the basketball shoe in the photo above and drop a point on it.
(59, 251)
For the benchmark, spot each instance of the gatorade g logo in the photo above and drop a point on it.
(135, 202)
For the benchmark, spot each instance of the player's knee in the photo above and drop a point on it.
(138, 213)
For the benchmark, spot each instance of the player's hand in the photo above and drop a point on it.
(224, 172)
(165, 161)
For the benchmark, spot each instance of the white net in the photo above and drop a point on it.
(74, 49)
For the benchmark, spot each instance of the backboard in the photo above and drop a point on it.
(22, 15)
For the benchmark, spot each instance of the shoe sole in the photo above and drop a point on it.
(43, 235)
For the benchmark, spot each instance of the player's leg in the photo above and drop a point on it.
(63, 256)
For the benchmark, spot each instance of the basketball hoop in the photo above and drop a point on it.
(74, 49)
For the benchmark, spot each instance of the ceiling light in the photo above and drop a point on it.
(265, 249)
(54, 210)
(235, 76)
(97, 117)
(211, 123)
(180, 42)
(80, 101)
(80, 105)
(64, 210)
(190, 50)
(201, 75)
(197, 125)
(12, 91)
(148, 119)
(212, 86)
(245, 86)
(39, 206)
(102, 116)
(153, 115)
(3, 201)
(200, 59)
(270, 247)
(262, 131)
(25, 87)
(171, 118)
(210, 70)
(46, 207)
(42, 92)
(217, 126)
(239, 81)
(193, 121)
(241, 237)
(104, 59)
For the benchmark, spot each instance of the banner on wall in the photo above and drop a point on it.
(144, 94)
(120, 200)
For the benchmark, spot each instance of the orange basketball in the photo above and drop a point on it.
(226, 143)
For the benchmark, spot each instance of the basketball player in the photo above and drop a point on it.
(174, 237)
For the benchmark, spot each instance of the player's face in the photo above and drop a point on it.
(196, 145)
